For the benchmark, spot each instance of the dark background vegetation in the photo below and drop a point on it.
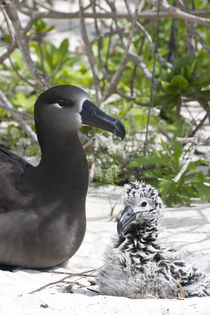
(115, 65)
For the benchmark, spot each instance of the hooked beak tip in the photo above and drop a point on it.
(119, 129)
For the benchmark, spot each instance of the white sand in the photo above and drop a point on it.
(184, 228)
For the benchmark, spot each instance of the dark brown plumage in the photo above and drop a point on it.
(42, 209)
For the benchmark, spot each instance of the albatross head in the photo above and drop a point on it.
(142, 207)
(67, 107)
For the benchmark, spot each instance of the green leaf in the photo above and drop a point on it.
(48, 29)
(179, 82)
(202, 80)
(204, 191)
(166, 148)
(186, 60)
(165, 85)
(64, 47)
(201, 162)
(166, 100)
(202, 93)
(166, 186)
(143, 160)
(186, 72)
(40, 25)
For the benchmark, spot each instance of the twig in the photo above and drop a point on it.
(190, 37)
(89, 143)
(69, 275)
(179, 13)
(10, 29)
(134, 73)
(152, 46)
(9, 109)
(77, 274)
(11, 10)
(8, 52)
(115, 80)
(153, 79)
(49, 284)
(139, 62)
(147, 14)
(194, 140)
(89, 51)
(186, 163)
(14, 45)
(99, 46)
(197, 127)
(12, 36)
(19, 75)
(47, 7)
(95, 291)
(39, 40)
(128, 97)
(131, 55)
(107, 58)
(107, 34)
(17, 118)
(200, 39)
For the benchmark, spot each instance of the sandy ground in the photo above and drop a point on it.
(27, 292)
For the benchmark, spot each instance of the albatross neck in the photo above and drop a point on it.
(59, 147)
(63, 160)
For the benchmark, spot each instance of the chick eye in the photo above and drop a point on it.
(143, 204)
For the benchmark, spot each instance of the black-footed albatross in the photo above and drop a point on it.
(136, 265)
(42, 209)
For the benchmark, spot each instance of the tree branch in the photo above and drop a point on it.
(11, 11)
(18, 119)
(152, 46)
(115, 80)
(186, 163)
(13, 110)
(19, 75)
(174, 12)
(89, 51)
(200, 39)
(138, 61)
(194, 140)
(14, 45)
(147, 14)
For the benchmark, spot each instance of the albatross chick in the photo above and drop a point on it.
(136, 266)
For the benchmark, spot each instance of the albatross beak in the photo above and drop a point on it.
(127, 216)
(93, 116)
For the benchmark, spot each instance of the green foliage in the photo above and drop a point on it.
(60, 66)
(57, 63)
(161, 167)
(41, 26)
(189, 79)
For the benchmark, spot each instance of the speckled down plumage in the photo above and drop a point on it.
(136, 266)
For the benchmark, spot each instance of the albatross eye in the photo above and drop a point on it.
(63, 102)
(144, 204)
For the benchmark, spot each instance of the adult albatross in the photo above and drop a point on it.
(136, 266)
(42, 209)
